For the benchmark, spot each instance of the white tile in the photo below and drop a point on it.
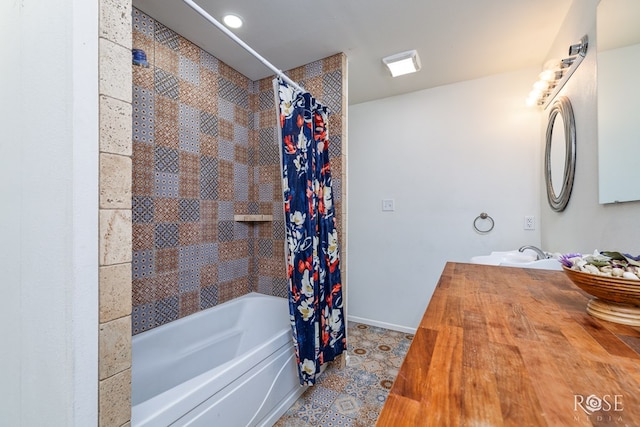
(115, 181)
(115, 126)
(115, 70)
(115, 21)
(115, 236)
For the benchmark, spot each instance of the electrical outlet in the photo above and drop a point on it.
(388, 205)
(529, 222)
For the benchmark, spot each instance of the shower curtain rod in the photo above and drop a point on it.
(236, 39)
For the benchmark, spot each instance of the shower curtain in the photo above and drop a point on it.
(313, 259)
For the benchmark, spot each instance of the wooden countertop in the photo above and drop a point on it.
(515, 347)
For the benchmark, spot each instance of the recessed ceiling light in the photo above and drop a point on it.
(402, 63)
(233, 21)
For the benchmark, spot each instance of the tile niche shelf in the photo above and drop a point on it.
(253, 218)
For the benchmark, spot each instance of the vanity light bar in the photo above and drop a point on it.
(556, 74)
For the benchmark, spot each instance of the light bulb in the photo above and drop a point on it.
(541, 85)
(547, 75)
(232, 21)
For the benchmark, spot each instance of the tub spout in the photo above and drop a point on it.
(539, 253)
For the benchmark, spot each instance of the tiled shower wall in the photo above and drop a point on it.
(204, 149)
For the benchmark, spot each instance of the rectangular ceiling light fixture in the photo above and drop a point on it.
(402, 63)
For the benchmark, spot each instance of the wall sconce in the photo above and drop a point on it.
(556, 73)
(402, 63)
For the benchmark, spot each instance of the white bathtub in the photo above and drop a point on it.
(230, 365)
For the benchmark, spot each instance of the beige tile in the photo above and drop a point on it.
(115, 400)
(115, 126)
(115, 347)
(115, 236)
(115, 21)
(115, 291)
(115, 70)
(115, 181)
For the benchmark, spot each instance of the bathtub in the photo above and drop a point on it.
(230, 365)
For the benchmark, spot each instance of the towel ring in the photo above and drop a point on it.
(483, 215)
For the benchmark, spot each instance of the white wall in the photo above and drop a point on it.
(444, 155)
(48, 178)
(585, 224)
(618, 124)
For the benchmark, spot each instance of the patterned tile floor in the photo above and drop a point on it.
(353, 396)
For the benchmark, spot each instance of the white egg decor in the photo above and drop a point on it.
(611, 264)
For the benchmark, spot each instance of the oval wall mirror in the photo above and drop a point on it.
(560, 154)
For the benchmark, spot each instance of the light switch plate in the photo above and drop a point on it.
(388, 205)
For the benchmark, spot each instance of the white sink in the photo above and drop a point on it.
(526, 259)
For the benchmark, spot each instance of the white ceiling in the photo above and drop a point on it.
(457, 40)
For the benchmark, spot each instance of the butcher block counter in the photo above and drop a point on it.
(503, 346)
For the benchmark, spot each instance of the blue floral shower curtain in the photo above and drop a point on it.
(313, 259)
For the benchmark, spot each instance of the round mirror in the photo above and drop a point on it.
(560, 154)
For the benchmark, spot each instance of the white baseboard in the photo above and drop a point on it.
(384, 325)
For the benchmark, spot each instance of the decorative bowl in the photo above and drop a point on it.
(617, 299)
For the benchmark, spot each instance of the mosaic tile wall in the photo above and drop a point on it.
(204, 149)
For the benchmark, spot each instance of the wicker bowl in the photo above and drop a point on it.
(614, 289)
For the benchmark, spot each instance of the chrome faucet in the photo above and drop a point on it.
(539, 253)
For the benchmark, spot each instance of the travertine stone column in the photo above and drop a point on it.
(115, 213)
